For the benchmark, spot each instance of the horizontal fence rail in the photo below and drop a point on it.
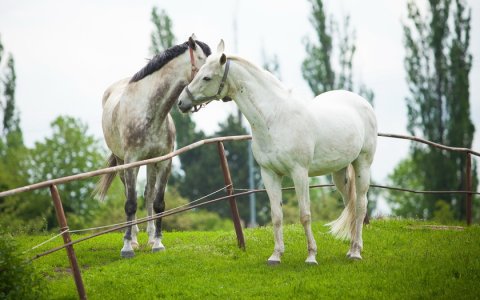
(63, 180)
(436, 145)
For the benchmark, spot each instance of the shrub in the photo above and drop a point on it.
(17, 277)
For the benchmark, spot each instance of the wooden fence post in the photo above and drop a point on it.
(468, 187)
(62, 221)
(233, 203)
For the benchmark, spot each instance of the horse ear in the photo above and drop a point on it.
(191, 43)
(223, 59)
(193, 37)
(221, 46)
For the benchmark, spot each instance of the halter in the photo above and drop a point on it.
(209, 98)
(192, 62)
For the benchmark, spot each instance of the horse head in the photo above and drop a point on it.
(209, 83)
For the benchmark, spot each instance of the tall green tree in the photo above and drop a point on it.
(438, 64)
(13, 153)
(162, 36)
(70, 149)
(332, 42)
(8, 107)
(11, 119)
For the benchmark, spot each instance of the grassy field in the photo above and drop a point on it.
(401, 260)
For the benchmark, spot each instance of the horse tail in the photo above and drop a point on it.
(343, 227)
(105, 180)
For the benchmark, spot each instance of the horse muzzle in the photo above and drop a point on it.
(184, 102)
(185, 105)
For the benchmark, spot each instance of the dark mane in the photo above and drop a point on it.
(159, 60)
(206, 50)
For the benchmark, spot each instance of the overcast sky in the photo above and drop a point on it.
(68, 52)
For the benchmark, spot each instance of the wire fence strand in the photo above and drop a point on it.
(154, 215)
(45, 242)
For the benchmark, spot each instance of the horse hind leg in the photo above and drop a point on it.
(159, 202)
(362, 183)
(340, 180)
(344, 180)
(149, 196)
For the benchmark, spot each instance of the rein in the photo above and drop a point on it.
(209, 98)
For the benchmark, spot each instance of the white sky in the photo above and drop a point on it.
(68, 52)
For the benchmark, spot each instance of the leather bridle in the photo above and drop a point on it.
(209, 98)
(192, 62)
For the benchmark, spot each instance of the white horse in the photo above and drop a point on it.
(137, 125)
(334, 133)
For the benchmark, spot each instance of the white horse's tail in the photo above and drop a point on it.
(343, 227)
(105, 180)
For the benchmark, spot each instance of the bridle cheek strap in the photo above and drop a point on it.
(210, 98)
(192, 62)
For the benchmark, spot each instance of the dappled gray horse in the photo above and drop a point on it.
(137, 125)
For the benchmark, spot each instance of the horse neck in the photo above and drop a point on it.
(258, 94)
(163, 87)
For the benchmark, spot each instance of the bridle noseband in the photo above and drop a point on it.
(209, 98)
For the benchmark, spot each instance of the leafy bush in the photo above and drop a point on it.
(443, 213)
(17, 277)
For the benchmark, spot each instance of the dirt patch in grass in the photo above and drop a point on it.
(437, 227)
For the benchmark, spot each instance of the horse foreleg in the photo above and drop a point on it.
(273, 185)
(300, 180)
(159, 202)
(130, 210)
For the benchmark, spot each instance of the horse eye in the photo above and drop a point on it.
(206, 78)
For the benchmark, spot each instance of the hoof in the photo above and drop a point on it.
(151, 242)
(311, 262)
(158, 249)
(127, 254)
(135, 245)
(273, 262)
(354, 256)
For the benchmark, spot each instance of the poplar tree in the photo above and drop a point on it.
(162, 36)
(11, 138)
(438, 63)
(332, 42)
(14, 156)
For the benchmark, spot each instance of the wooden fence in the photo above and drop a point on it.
(68, 243)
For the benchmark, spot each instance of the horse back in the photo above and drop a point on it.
(346, 107)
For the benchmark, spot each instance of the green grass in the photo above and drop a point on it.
(401, 260)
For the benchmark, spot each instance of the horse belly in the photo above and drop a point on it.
(331, 162)
(339, 141)
(144, 141)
